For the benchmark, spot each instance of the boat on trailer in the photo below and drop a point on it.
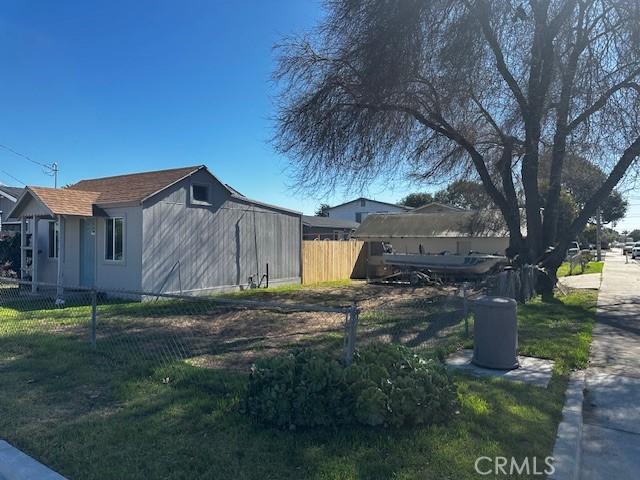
(446, 264)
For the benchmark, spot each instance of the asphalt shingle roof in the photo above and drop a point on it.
(64, 201)
(328, 222)
(134, 187)
(15, 192)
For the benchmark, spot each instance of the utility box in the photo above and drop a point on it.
(495, 332)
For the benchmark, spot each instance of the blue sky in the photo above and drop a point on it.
(110, 87)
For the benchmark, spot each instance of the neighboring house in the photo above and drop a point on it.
(457, 232)
(326, 228)
(178, 230)
(358, 209)
(435, 207)
(8, 198)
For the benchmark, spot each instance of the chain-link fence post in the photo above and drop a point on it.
(351, 332)
(94, 314)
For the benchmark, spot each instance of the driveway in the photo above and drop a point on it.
(611, 435)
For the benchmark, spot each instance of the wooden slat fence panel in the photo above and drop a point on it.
(328, 260)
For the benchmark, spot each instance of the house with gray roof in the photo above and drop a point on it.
(171, 231)
(357, 210)
(8, 198)
(327, 228)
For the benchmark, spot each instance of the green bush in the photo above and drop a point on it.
(9, 254)
(386, 385)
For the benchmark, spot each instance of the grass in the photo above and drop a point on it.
(592, 267)
(86, 417)
(257, 293)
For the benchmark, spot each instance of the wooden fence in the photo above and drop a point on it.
(327, 260)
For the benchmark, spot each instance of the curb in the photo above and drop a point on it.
(568, 447)
(16, 465)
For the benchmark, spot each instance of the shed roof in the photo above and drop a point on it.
(328, 222)
(134, 187)
(86, 197)
(432, 225)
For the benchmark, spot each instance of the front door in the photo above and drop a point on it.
(87, 252)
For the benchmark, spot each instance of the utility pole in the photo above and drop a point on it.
(54, 172)
(599, 235)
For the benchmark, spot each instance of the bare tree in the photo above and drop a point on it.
(448, 89)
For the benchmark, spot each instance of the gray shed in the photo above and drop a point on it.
(178, 230)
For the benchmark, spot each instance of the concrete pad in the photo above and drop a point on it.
(608, 453)
(16, 465)
(612, 401)
(535, 371)
(586, 281)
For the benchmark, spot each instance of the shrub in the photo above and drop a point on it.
(9, 254)
(386, 385)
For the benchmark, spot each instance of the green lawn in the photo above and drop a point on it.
(90, 419)
(592, 267)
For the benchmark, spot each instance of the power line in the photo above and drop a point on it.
(11, 176)
(51, 169)
(26, 157)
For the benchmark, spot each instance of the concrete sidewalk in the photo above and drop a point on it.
(611, 412)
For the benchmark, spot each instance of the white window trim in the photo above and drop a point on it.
(56, 240)
(193, 201)
(124, 240)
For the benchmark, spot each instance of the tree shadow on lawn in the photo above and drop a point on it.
(90, 420)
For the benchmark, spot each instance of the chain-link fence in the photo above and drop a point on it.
(146, 330)
(143, 330)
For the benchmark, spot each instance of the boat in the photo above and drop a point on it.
(472, 264)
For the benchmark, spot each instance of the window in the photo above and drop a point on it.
(54, 236)
(200, 194)
(358, 217)
(363, 202)
(114, 239)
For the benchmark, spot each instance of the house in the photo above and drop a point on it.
(327, 228)
(8, 198)
(455, 231)
(179, 230)
(436, 207)
(358, 209)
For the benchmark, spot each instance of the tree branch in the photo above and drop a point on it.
(483, 15)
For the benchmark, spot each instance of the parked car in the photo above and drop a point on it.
(574, 249)
(635, 251)
(628, 247)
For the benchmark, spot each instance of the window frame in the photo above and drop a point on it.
(56, 240)
(113, 258)
(192, 198)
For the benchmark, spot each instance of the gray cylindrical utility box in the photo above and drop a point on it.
(495, 333)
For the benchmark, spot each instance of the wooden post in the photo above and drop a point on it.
(60, 278)
(34, 255)
(23, 247)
